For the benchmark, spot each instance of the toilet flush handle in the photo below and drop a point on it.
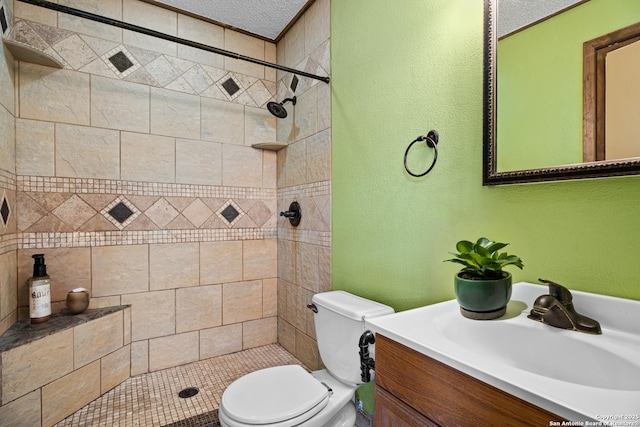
(312, 307)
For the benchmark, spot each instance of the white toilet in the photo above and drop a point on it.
(289, 395)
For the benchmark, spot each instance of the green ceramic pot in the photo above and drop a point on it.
(483, 299)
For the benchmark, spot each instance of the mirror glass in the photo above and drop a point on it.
(561, 98)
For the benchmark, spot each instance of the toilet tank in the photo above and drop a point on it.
(339, 323)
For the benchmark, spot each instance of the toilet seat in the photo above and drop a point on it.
(282, 394)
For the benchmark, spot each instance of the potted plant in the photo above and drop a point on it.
(482, 288)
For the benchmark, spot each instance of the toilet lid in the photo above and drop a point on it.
(274, 394)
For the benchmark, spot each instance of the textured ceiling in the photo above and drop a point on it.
(265, 18)
(515, 14)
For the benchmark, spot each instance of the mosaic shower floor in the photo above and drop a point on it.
(152, 399)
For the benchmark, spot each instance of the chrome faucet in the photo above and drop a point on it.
(556, 309)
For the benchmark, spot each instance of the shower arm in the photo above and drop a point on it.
(157, 34)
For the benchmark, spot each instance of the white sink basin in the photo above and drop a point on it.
(578, 376)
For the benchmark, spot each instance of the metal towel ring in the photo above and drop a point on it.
(432, 141)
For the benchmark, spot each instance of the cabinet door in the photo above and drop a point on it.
(390, 412)
(447, 396)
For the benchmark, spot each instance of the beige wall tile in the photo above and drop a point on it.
(269, 170)
(153, 314)
(95, 339)
(222, 121)
(270, 56)
(220, 262)
(117, 104)
(296, 163)
(260, 259)
(66, 92)
(35, 13)
(175, 114)
(259, 126)
(306, 120)
(317, 27)
(324, 106)
(221, 340)
(170, 351)
(244, 45)
(256, 333)
(101, 302)
(307, 274)
(294, 44)
(139, 357)
(148, 157)
(307, 351)
(241, 301)
(8, 283)
(241, 166)
(174, 265)
(84, 152)
(286, 335)
(23, 412)
(270, 297)
(198, 308)
(34, 148)
(286, 260)
(127, 325)
(324, 269)
(198, 162)
(120, 270)
(83, 385)
(7, 140)
(68, 268)
(33, 365)
(7, 92)
(115, 368)
(107, 8)
(202, 32)
(155, 18)
(319, 157)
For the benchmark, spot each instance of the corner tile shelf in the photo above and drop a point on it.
(24, 52)
(272, 146)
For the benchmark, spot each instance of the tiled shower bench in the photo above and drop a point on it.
(50, 370)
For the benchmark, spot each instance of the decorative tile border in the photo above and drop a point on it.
(113, 238)
(137, 188)
(314, 189)
(145, 66)
(320, 238)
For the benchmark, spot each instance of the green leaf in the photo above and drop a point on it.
(495, 246)
(464, 246)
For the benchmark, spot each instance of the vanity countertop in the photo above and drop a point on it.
(579, 376)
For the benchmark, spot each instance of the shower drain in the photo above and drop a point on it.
(188, 392)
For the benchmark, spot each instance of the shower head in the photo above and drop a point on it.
(277, 108)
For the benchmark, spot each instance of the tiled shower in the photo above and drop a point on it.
(132, 170)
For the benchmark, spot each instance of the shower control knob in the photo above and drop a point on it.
(294, 214)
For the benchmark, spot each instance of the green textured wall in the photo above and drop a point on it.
(400, 69)
(540, 84)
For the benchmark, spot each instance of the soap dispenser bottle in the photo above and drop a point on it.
(39, 291)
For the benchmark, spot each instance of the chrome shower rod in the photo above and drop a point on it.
(153, 33)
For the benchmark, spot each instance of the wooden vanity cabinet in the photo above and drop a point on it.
(415, 390)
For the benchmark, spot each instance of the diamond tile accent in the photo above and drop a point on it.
(294, 83)
(120, 212)
(3, 20)
(120, 61)
(230, 86)
(230, 213)
(5, 211)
